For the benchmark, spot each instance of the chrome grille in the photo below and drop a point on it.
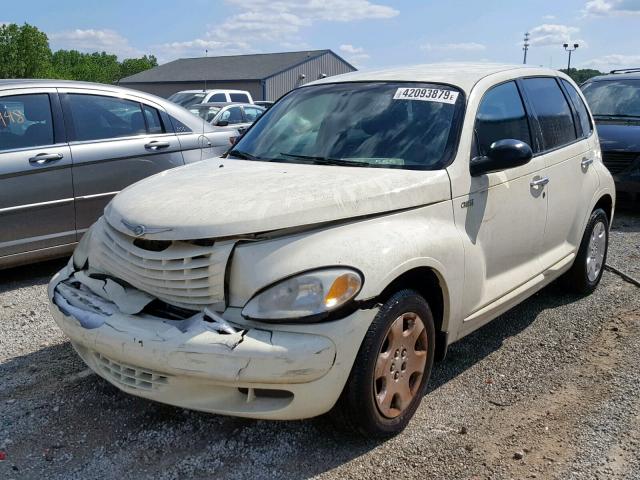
(618, 162)
(130, 376)
(184, 274)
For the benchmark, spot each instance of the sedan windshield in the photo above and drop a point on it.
(186, 99)
(613, 98)
(391, 125)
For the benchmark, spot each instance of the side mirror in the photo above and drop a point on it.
(502, 154)
(222, 123)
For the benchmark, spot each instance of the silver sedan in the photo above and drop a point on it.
(66, 148)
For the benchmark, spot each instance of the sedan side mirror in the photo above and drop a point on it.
(222, 123)
(502, 154)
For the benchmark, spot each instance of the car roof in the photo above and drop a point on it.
(223, 104)
(615, 76)
(462, 75)
(209, 90)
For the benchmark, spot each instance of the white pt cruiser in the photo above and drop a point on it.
(361, 226)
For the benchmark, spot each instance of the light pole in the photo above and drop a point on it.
(525, 47)
(566, 47)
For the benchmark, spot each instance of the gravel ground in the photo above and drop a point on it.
(548, 390)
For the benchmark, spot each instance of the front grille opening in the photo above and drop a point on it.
(202, 242)
(267, 393)
(130, 376)
(161, 309)
(152, 245)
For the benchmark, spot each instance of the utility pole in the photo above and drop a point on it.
(570, 50)
(525, 47)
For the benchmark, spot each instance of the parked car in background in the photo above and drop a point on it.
(66, 148)
(234, 118)
(187, 98)
(264, 103)
(362, 225)
(615, 102)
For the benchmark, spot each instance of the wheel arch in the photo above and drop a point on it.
(429, 282)
(606, 203)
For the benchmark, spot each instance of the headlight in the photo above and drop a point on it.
(305, 296)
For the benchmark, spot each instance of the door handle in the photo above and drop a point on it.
(539, 182)
(155, 145)
(42, 158)
(586, 162)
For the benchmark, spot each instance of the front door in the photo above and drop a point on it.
(501, 215)
(36, 189)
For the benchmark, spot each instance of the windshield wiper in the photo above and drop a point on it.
(328, 161)
(242, 155)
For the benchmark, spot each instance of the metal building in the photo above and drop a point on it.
(266, 76)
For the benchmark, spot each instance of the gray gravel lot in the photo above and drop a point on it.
(548, 390)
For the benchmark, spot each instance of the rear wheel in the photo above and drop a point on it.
(588, 266)
(390, 374)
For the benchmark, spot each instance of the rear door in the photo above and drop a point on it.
(36, 190)
(115, 141)
(568, 151)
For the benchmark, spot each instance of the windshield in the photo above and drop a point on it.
(186, 99)
(616, 98)
(392, 125)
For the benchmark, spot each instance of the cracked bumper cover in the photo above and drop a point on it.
(211, 371)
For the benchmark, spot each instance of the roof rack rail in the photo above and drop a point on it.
(625, 70)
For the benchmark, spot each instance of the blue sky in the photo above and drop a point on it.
(369, 33)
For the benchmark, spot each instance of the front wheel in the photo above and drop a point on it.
(390, 373)
(588, 266)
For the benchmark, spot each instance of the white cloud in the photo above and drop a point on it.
(554, 34)
(459, 47)
(610, 62)
(93, 40)
(266, 22)
(355, 55)
(612, 7)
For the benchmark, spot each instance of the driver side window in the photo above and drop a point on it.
(501, 115)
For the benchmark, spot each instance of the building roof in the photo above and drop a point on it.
(463, 75)
(233, 67)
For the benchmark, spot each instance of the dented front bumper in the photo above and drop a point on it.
(260, 371)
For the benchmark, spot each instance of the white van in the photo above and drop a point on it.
(187, 98)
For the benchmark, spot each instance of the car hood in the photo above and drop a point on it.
(222, 197)
(619, 136)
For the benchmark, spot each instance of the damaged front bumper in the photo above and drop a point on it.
(220, 364)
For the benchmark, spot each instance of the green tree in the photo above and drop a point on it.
(90, 67)
(131, 66)
(24, 52)
(581, 75)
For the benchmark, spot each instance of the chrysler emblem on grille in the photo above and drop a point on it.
(139, 230)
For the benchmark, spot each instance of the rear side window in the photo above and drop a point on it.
(96, 117)
(552, 111)
(25, 121)
(252, 113)
(218, 97)
(501, 116)
(581, 109)
(154, 124)
(239, 97)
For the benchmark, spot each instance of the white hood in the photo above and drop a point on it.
(224, 197)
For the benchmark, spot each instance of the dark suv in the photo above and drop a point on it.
(615, 102)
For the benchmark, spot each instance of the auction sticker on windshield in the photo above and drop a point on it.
(426, 94)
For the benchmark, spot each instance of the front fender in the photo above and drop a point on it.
(382, 248)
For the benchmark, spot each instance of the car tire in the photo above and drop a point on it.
(390, 374)
(588, 266)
